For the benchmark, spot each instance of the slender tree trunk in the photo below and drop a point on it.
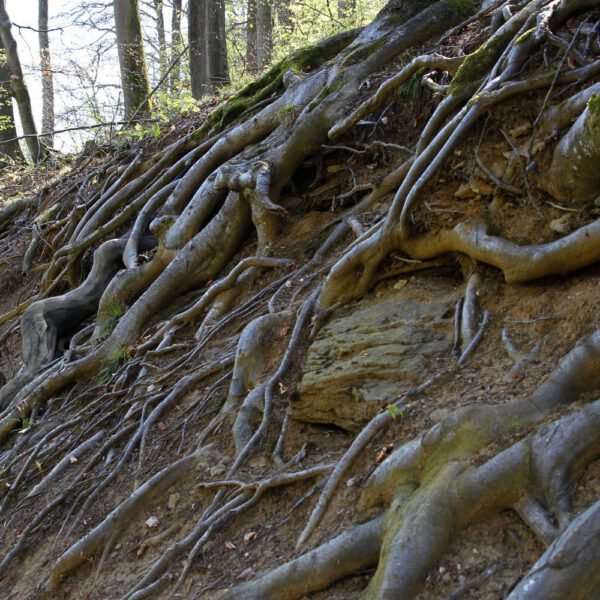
(197, 40)
(284, 15)
(46, 69)
(264, 33)
(219, 72)
(251, 62)
(162, 40)
(17, 84)
(132, 59)
(176, 48)
(208, 48)
(8, 149)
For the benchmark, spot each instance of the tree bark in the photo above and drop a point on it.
(46, 70)
(264, 33)
(162, 40)
(208, 50)
(251, 64)
(284, 15)
(17, 84)
(132, 59)
(8, 149)
(176, 40)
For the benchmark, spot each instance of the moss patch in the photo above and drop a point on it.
(271, 82)
(362, 51)
(477, 64)
(593, 120)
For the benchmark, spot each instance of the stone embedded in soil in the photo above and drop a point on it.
(361, 362)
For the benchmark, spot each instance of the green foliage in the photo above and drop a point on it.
(168, 107)
(288, 113)
(412, 92)
(114, 362)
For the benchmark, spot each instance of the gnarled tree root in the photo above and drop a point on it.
(434, 490)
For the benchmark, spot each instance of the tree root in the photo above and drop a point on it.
(434, 490)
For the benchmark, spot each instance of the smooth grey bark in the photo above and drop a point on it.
(17, 84)
(209, 69)
(251, 64)
(264, 33)
(46, 71)
(162, 40)
(284, 15)
(176, 45)
(132, 59)
(9, 146)
(573, 177)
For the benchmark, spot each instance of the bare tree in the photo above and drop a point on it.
(46, 70)
(17, 84)
(208, 49)
(132, 59)
(9, 147)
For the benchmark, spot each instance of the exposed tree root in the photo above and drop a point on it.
(215, 201)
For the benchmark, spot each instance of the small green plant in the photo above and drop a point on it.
(113, 363)
(116, 359)
(287, 114)
(411, 92)
(395, 411)
(114, 313)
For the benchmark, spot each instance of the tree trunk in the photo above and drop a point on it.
(208, 48)
(132, 60)
(175, 44)
(17, 84)
(46, 70)
(8, 131)
(264, 33)
(251, 63)
(162, 40)
(284, 15)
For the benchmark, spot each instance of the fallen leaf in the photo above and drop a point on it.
(249, 537)
(245, 574)
(161, 426)
(141, 550)
(230, 545)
